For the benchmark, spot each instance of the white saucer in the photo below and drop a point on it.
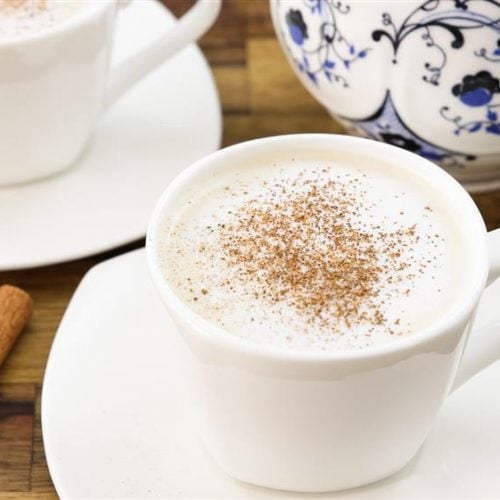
(166, 122)
(114, 425)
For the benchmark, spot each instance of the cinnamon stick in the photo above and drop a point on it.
(15, 310)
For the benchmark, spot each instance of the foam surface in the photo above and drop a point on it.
(374, 258)
(25, 17)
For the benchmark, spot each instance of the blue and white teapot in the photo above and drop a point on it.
(422, 75)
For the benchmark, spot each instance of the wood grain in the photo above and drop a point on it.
(273, 87)
(260, 96)
(17, 403)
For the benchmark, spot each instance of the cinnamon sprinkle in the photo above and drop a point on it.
(17, 4)
(302, 244)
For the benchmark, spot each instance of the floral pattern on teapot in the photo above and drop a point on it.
(333, 49)
(422, 75)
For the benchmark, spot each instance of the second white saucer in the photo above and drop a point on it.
(115, 425)
(166, 122)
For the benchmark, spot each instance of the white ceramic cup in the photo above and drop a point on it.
(321, 421)
(55, 84)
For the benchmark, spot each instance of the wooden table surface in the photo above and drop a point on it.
(260, 97)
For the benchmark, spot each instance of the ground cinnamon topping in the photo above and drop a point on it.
(306, 248)
(16, 4)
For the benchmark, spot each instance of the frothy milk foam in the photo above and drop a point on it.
(25, 17)
(316, 254)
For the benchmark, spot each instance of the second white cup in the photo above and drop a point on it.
(55, 84)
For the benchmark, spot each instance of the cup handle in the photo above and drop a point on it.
(194, 23)
(483, 345)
